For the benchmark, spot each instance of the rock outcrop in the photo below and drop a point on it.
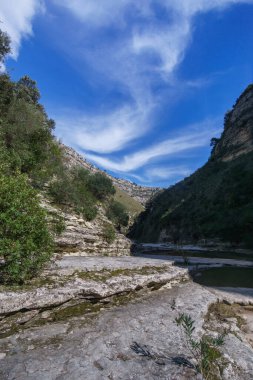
(85, 238)
(140, 193)
(237, 137)
(71, 279)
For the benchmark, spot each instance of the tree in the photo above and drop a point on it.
(26, 89)
(213, 143)
(28, 139)
(6, 94)
(26, 244)
(5, 47)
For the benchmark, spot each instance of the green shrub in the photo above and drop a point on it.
(25, 242)
(108, 233)
(88, 207)
(81, 189)
(57, 223)
(61, 189)
(71, 188)
(116, 212)
(101, 186)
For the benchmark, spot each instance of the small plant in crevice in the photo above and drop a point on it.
(205, 350)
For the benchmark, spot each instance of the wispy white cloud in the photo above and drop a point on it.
(194, 136)
(167, 172)
(161, 174)
(168, 43)
(168, 40)
(105, 133)
(16, 19)
(104, 12)
(191, 7)
(144, 51)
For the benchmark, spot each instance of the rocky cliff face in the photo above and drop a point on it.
(140, 193)
(213, 205)
(83, 238)
(237, 138)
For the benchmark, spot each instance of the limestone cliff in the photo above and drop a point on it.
(237, 137)
(140, 193)
(85, 238)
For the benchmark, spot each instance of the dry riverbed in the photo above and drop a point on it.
(89, 319)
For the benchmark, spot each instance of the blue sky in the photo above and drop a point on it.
(137, 87)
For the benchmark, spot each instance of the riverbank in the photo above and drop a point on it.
(208, 251)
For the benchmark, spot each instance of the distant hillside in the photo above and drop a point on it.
(141, 194)
(216, 202)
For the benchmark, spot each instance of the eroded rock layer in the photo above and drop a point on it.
(85, 238)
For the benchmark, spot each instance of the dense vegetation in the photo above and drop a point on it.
(80, 189)
(117, 214)
(215, 202)
(26, 243)
(31, 160)
(28, 153)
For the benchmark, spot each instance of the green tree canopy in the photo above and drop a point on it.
(26, 89)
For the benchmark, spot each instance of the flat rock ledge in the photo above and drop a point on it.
(81, 281)
(101, 347)
(60, 327)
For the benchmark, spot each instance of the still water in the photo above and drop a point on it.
(225, 277)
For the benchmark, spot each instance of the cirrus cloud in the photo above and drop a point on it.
(193, 136)
(145, 51)
(16, 19)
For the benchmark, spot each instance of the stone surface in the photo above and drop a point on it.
(84, 278)
(99, 346)
(68, 264)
